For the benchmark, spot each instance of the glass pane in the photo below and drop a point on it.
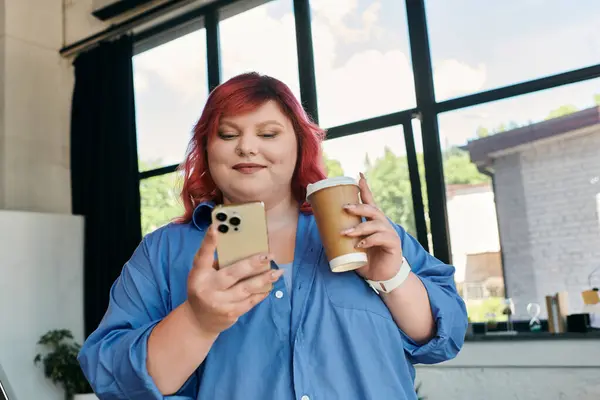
(381, 156)
(169, 98)
(362, 60)
(160, 201)
(479, 45)
(543, 150)
(262, 40)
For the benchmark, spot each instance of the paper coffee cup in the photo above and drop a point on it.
(327, 198)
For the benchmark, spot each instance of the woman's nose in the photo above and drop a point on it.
(247, 145)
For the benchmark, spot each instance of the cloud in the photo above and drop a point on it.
(453, 78)
(331, 11)
(254, 41)
(179, 64)
(338, 19)
(369, 83)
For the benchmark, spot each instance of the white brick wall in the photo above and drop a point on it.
(548, 216)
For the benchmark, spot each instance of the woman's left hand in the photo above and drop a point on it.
(380, 239)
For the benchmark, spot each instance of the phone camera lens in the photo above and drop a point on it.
(235, 221)
(221, 216)
(223, 228)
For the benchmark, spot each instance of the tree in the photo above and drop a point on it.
(482, 132)
(160, 202)
(561, 111)
(389, 180)
(333, 167)
(367, 162)
(458, 169)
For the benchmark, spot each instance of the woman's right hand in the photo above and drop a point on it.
(218, 297)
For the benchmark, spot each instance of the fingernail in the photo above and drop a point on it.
(349, 206)
(264, 257)
(276, 274)
(347, 231)
(362, 176)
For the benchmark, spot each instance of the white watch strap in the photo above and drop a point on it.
(393, 283)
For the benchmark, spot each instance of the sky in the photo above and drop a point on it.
(363, 67)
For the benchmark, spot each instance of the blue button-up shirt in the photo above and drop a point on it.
(334, 338)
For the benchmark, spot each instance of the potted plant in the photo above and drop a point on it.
(61, 365)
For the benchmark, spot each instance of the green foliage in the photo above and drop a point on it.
(333, 167)
(562, 111)
(482, 132)
(458, 169)
(60, 362)
(481, 310)
(160, 202)
(389, 180)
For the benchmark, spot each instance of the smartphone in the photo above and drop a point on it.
(242, 231)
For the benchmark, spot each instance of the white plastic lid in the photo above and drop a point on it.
(329, 182)
(348, 262)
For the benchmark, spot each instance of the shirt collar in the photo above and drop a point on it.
(202, 214)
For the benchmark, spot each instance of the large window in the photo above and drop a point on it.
(362, 60)
(479, 45)
(170, 91)
(262, 39)
(542, 151)
(521, 165)
(381, 155)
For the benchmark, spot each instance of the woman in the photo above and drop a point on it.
(178, 327)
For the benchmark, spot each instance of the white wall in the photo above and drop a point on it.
(41, 288)
(41, 244)
(559, 369)
(35, 91)
(472, 223)
(79, 21)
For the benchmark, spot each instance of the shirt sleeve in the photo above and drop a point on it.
(113, 358)
(448, 308)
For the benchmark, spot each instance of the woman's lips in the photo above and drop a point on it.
(248, 168)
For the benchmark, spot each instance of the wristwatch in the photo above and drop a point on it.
(393, 283)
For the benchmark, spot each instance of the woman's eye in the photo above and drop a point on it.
(226, 136)
(269, 135)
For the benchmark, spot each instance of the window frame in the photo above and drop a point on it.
(426, 110)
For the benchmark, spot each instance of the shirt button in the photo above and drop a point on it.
(279, 294)
(305, 397)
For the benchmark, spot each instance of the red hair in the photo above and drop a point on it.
(241, 94)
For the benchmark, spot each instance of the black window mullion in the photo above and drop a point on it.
(306, 62)
(213, 54)
(158, 171)
(415, 185)
(434, 173)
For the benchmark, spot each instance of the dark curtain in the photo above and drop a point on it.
(104, 170)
